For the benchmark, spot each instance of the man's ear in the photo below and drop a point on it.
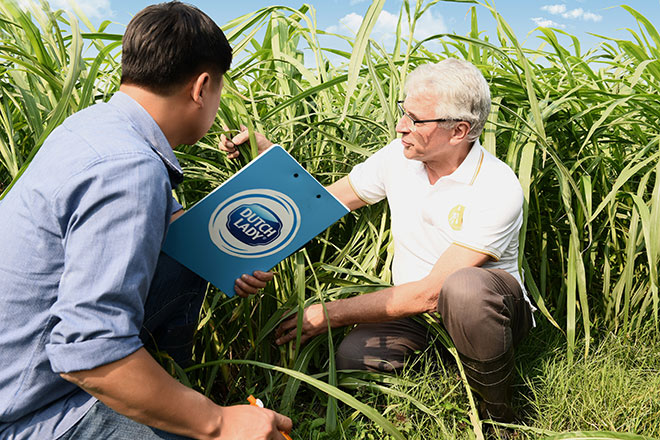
(460, 131)
(199, 86)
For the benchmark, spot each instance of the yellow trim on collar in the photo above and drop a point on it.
(476, 173)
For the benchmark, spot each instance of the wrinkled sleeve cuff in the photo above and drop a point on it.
(362, 197)
(85, 355)
(487, 250)
(353, 181)
(176, 206)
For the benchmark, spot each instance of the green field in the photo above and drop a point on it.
(579, 127)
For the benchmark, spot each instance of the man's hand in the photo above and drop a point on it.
(229, 146)
(247, 422)
(248, 285)
(314, 323)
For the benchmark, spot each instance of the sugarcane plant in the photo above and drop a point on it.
(579, 128)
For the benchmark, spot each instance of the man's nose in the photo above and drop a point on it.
(402, 126)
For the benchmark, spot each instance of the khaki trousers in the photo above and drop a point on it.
(483, 310)
(486, 315)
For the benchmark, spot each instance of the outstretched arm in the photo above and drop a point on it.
(384, 305)
(137, 387)
(345, 193)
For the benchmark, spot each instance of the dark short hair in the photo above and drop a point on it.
(166, 44)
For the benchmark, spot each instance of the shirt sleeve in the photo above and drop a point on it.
(176, 206)
(113, 216)
(490, 227)
(368, 178)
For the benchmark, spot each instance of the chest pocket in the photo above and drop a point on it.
(448, 210)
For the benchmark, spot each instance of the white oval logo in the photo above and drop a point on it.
(254, 223)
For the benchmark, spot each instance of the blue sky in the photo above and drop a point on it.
(577, 17)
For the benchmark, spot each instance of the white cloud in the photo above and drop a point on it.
(430, 24)
(575, 14)
(579, 13)
(544, 22)
(91, 8)
(554, 9)
(385, 28)
(591, 16)
(350, 22)
(386, 23)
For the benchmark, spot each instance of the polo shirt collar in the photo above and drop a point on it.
(147, 127)
(468, 170)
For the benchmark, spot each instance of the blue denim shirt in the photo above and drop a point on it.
(80, 234)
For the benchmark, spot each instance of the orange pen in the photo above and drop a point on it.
(257, 402)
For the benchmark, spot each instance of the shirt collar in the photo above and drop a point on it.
(147, 127)
(468, 170)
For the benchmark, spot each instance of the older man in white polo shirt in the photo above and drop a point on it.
(456, 215)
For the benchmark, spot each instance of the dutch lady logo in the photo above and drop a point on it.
(455, 217)
(254, 223)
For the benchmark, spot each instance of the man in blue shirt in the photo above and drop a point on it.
(83, 285)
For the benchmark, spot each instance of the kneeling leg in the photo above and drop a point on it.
(381, 346)
(486, 315)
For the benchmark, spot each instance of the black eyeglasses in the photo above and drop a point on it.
(414, 121)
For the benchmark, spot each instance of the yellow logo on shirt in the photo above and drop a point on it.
(456, 217)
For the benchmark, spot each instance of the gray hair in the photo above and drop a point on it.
(460, 89)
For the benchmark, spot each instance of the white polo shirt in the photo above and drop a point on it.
(478, 206)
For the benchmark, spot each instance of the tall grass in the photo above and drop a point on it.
(44, 78)
(580, 129)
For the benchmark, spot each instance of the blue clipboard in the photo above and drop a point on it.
(258, 217)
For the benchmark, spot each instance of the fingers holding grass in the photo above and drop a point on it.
(314, 323)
